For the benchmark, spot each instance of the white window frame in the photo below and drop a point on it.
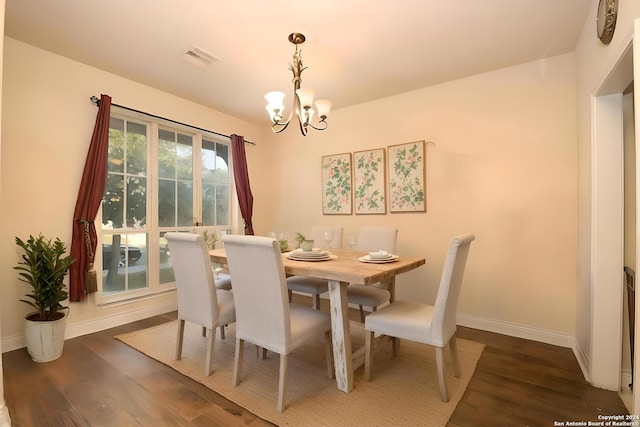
(152, 229)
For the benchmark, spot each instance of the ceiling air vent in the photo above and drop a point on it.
(199, 57)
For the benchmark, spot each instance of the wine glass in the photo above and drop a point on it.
(327, 236)
(352, 241)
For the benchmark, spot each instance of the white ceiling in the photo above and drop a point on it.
(356, 50)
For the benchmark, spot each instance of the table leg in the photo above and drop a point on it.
(390, 285)
(341, 335)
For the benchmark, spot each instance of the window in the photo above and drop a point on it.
(190, 192)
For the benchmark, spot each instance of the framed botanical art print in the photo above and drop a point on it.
(336, 184)
(407, 177)
(369, 182)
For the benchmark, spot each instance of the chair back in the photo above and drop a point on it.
(259, 291)
(372, 239)
(444, 316)
(317, 234)
(197, 300)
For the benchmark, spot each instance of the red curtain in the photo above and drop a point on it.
(89, 199)
(241, 175)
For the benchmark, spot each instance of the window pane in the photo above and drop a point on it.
(124, 262)
(215, 182)
(175, 189)
(222, 205)
(185, 204)
(208, 204)
(166, 203)
(222, 152)
(136, 149)
(166, 267)
(113, 202)
(166, 159)
(136, 202)
(116, 146)
(184, 157)
(124, 199)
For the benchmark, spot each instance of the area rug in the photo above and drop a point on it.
(403, 391)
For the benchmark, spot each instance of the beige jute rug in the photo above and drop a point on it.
(403, 391)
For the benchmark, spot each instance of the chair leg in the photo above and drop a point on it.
(361, 313)
(290, 293)
(328, 345)
(441, 378)
(261, 352)
(282, 383)
(453, 348)
(204, 331)
(237, 362)
(222, 336)
(211, 343)
(316, 302)
(368, 355)
(179, 341)
(395, 346)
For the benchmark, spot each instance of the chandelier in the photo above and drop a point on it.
(302, 98)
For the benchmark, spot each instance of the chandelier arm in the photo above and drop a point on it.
(319, 128)
(303, 127)
(283, 126)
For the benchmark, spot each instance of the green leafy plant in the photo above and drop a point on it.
(44, 266)
(210, 240)
(300, 238)
(284, 244)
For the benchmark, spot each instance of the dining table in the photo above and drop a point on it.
(344, 267)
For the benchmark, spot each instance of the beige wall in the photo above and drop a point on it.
(502, 166)
(47, 125)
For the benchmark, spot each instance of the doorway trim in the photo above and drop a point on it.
(607, 219)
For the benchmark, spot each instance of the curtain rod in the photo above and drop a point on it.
(96, 101)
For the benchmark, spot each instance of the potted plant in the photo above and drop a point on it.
(210, 240)
(43, 267)
(304, 243)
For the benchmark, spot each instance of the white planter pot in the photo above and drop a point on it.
(45, 340)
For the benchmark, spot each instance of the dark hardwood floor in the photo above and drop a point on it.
(101, 382)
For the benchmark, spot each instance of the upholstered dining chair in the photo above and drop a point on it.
(426, 324)
(310, 285)
(221, 280)
(264, 315)
(199, 301)
(372, 239)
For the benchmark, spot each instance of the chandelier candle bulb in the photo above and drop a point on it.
(306, 97)
(323, 106)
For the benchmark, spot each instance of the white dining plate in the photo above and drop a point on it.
(298, 250)
(309, 254)
(325, 258)
(368, 259)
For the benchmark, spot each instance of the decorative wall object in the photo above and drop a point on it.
(369, 182)
(407, 177)
(336, 184)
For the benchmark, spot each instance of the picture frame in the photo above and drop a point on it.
(369, 185)
(406, 165)
(337, 184)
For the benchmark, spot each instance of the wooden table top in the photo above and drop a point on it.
(345, 268)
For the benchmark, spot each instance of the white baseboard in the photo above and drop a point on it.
(583, 361)
(526, 332)
(518, 331)
(625, 379)
(99, 324)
